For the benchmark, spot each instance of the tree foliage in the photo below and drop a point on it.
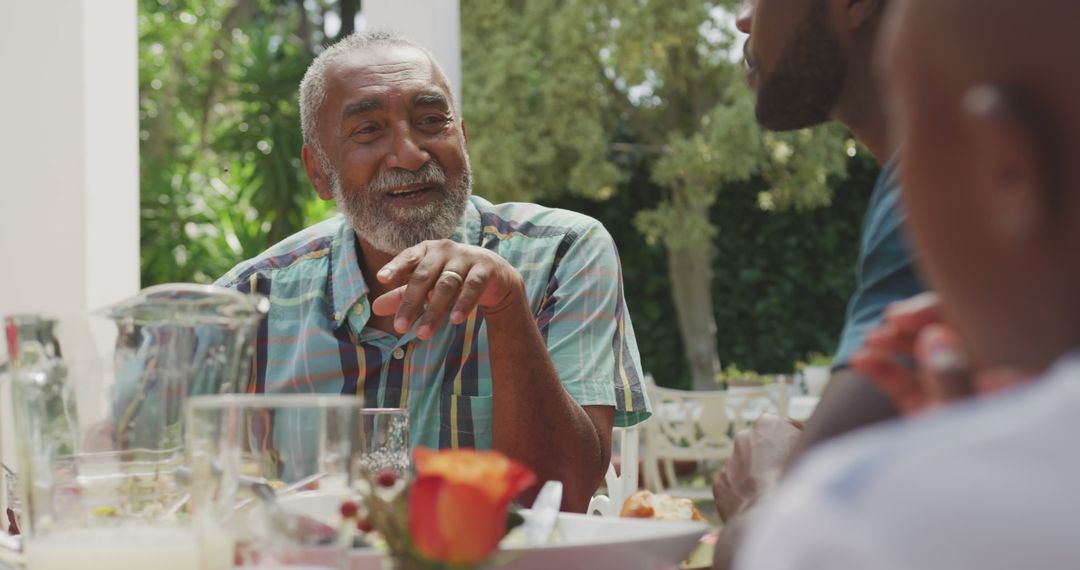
(557, 94)
(562, 96)
(220, 174)
(633, 111)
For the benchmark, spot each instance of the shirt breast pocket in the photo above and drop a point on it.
(471, 424)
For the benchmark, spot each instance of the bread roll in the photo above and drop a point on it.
(647, 505)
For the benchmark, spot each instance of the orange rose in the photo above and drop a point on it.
(457, 509)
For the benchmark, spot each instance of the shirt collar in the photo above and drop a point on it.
(469, 229)
(345, 285)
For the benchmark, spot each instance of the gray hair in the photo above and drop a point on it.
(313, 86)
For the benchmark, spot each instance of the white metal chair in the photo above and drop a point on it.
(688, 426)
(747, 404)
(622, 484)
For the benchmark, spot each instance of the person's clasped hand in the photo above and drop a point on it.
(919, 360)
(755, 465)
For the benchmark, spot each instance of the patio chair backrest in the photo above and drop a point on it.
(623, 483)
(747, 404)
(686, 425)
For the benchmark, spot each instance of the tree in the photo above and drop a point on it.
(597, 106)
(561, 96)
(220, 174)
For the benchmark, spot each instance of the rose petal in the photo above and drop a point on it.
(424, 519)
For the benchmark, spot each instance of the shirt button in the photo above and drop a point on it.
(399, 353)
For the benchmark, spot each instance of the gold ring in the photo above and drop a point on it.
(453, 275)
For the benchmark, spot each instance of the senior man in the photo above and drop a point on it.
(497, 326)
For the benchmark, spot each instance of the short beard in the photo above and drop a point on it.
(808, 81)
(391, 231)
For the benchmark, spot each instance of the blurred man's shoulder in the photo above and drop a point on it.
(1015, 434)
(978, 484)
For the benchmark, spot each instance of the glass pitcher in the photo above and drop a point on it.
(99, 422)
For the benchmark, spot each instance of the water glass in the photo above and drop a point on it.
(384, 441)
(89, 500)
(307, 448)
(98, 416)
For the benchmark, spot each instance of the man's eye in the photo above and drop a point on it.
(365, 130)
(433, 120)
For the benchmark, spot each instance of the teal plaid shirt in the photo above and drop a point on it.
(316, 339)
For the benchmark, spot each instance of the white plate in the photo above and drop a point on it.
(581, 541)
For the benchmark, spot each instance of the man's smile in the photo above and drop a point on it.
(412, 194)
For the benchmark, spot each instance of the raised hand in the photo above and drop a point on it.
(919, 360)
(434, 278)
(755, 466)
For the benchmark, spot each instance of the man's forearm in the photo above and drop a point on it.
(535, 420)
(850, 402)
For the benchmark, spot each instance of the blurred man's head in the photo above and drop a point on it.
(383, 139)
(987, 110)
(800, 55)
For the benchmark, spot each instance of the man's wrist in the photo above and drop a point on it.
(513, 306)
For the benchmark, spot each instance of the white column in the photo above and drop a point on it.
(69, 154)
(434, 24)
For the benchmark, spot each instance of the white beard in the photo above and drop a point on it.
(391, 230)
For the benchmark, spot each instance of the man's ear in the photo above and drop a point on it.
(859, 12)
(464, 132)
(315, 173)
(1011, 172)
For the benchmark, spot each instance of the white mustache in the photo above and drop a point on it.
(430, 174)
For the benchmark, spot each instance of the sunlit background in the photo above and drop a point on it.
(737, 245)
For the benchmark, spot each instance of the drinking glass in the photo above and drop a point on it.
(307, 448)
(384, 440)
(99, 424)
(88, 500)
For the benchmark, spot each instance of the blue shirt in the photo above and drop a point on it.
(885, 271)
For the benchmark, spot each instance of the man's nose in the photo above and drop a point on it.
(745, 18)
(406, 152)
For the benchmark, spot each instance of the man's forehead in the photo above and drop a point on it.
(384, 68)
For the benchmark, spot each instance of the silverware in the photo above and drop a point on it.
(300, 528)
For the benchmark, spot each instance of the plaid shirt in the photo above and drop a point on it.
(316, 337)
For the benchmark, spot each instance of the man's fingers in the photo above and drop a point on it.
(400, 268)
(429, 271)
(898, 381)
(726, 498)
(888, 338)
(945, 371)
(423, 279)
(471, 290)
(445, 291)
(911, 315)
(387, 303)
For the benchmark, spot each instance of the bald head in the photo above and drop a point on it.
(987, 114)
(1026, 48)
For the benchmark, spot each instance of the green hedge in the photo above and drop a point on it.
(781, 279)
